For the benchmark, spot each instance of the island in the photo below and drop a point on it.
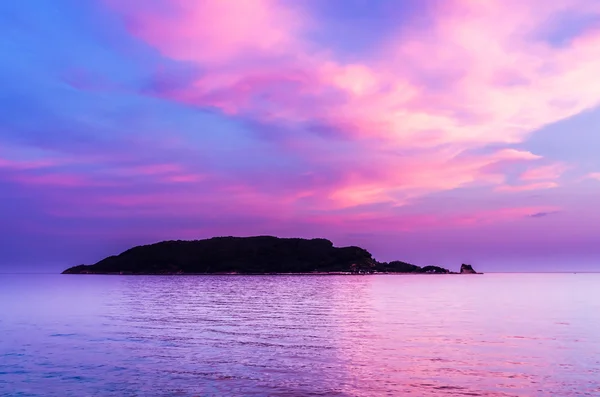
(250, 255)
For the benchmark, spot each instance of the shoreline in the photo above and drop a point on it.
(272, 274)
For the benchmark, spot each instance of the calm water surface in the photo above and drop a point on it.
(489, 335)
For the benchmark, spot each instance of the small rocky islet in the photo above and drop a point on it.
(251, 255)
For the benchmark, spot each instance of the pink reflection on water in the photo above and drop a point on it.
(367, 336)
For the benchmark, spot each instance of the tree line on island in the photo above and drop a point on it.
(250, 255)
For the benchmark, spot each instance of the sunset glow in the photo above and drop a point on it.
(428, 131)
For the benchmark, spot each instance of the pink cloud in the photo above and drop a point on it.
(500, 84)
(215, 31)
(269, 216)
(160, 172)
(504, 215)
(594, 175)
(485, 40)
(467, 37)
(402, 179)
(527, 187)
(22, 172)
(26, 172)
(548, 172)
(514, 154)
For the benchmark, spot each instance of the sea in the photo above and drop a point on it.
(297, 335)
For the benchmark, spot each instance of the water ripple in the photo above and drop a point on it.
(491, 336)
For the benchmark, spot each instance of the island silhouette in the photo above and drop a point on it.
(251, 255)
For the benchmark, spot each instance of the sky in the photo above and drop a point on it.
(431, 131)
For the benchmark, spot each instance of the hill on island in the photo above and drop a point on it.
(246, 255)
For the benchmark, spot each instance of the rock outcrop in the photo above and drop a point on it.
(467, 269)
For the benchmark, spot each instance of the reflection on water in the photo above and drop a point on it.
(490, 335)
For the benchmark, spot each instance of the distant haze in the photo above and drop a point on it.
(434, 132)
